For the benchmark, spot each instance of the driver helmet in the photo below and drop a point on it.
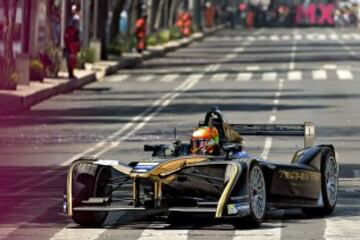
(205, 140)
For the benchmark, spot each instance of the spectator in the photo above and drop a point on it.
(72, 47)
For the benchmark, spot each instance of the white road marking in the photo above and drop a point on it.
(250, 38)
(78, 234)
(319, 74)
(154, 234)
(293, 53)
(267, 147)
(294, 76)
(252, 68)
(344, 75)
(239, 49)
(334, 37)
(145, 78)
(220, 77)
(230, 56)
(269, 76)
(345, 36)
(286, 37)
(298, 37)
(267, 231)
(356, 36)
(262, 38)
(244, 76)
(169, 78)
(340, 228)
(134, 120)
(316, 36)
(238, 38)
(281, 84)
(117, 78)
(164, 102)
(274, 38)
(272, 119)
(329, 66)
(212, 68)
(276, 101)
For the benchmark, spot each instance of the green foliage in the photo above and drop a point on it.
(86, 55)
(194, 28)
(53, 53)
(164, 36)
(152, 40)
(121, 45)
(9, 77)
(114, 49)
(174, 33)
(37, 70)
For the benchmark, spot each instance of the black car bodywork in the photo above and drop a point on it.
(231, 186)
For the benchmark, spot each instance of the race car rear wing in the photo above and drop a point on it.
(307, 130)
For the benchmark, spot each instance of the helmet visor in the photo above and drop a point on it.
(200, 143)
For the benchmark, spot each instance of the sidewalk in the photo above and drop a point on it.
(25, 97)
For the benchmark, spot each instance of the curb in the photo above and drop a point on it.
(134, 59)
(12, 102)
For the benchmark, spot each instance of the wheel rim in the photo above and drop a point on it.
(331, 180)
(257, 192)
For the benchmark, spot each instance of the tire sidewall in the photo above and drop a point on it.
(325, 159)
(254, 219)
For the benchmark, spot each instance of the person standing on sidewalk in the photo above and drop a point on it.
(140, 32)
(72, 46)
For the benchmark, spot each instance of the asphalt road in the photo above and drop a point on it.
(254, 76)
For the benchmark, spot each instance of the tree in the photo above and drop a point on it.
(102, 23)
(7, 63)
(114, 28)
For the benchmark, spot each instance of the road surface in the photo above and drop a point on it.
(254, 76)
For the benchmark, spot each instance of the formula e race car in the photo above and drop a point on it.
(227, 185)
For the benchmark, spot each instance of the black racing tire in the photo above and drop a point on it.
(329, 194)
(89, 180)
(177, 218)
(257, 200)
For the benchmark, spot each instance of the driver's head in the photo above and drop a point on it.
(205, 140)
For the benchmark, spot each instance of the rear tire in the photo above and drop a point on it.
(257, 195)
(329, 187)
(89, 180)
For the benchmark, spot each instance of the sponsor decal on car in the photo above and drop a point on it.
(144, 167)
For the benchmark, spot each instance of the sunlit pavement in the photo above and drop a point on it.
(255, 76)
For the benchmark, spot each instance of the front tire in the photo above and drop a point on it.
(329, 187)
(257, 199)
(90, 180)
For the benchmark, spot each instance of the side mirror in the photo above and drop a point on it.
(231, 148)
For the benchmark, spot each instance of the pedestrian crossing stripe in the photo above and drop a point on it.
(294, 76)
(319, 75)
(169, 78)
(279, 37)
(244, 76)
(218, 77)
(340, 228)
(344, 75)
(145, 78)
(252, 68)
(335, 228)
(270, 76)
(117, 78)
(164, 234)
(254, 73)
